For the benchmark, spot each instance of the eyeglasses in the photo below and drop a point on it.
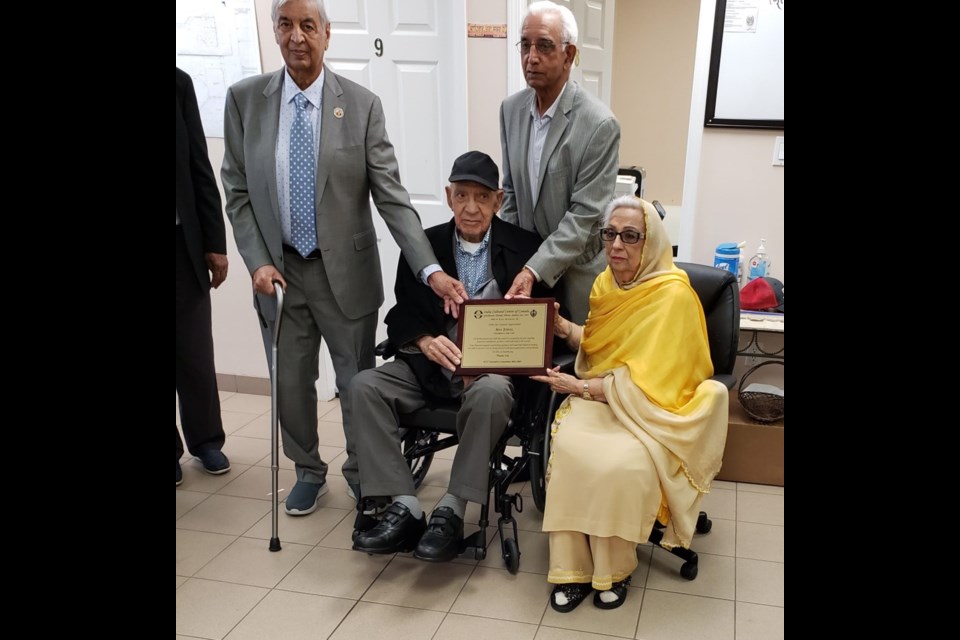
(544, 47)
(628, 236)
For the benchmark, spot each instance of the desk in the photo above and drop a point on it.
(755, 323)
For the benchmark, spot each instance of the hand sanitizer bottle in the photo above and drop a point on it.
(759, 263)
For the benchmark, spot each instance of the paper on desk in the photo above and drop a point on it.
(758, 320)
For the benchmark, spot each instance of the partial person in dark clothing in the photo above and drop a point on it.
(201, 264)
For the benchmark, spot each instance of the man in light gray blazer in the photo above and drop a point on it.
(304, 151)
(561, 151)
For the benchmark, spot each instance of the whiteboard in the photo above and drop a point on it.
(746, 65)
(217, 45)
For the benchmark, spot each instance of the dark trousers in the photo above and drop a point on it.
(196, 376)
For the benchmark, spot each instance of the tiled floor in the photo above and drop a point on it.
(230, 586)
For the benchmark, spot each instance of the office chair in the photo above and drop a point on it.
(720, 297)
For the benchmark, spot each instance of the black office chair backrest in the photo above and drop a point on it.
(720, 297)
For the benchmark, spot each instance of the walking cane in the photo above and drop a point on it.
(274, 421)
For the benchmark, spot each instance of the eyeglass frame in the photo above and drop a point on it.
(537, 44)
(640, 235)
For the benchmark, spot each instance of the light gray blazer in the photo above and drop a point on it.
(356, 160)
(578, 175)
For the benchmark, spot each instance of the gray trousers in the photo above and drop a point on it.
(310, 312)
(380, 394)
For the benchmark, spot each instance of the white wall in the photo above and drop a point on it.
(739, 196)
(238, 346)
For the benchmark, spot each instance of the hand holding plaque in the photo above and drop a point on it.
(509, 337)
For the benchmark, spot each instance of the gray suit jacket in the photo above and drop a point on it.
(578, 175)
(356, 160)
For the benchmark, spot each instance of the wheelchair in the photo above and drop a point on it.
(433, 428)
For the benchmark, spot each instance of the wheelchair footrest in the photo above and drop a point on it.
(475, 544)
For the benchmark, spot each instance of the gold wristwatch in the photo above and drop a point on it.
(586, 391)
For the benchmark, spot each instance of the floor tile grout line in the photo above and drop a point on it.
(695, 595)
(762, 493)
(598, 633)
(244, 616)
(359, 599)
(760, 560)
(771, 524)
(736, 519)
(194, 507)
(215, 556)
(457, 597)
(643, 598)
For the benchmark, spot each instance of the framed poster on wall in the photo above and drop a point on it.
(745, 88)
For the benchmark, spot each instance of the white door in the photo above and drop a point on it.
(411, 53)
(595, 45)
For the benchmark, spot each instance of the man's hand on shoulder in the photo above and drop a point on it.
(264, 277)
(450, 290)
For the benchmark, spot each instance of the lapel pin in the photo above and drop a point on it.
(338, 113)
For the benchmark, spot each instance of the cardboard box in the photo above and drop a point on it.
(754, 451)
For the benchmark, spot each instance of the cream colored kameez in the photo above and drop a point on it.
(654, 447)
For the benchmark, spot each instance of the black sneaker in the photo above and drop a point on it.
(214, 462)
(443, 540)
(397, 531)
(303, 497)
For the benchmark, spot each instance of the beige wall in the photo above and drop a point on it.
(486, 78)
(653, 56)
(739, 195)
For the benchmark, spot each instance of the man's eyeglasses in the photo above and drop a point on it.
(544, 47)
(628, 236)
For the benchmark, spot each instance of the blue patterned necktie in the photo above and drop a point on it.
(303, 182)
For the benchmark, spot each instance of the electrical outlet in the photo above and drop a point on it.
(778, 152)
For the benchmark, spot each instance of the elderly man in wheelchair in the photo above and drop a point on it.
(485, 253)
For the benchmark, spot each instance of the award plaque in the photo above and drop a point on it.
(510, 337)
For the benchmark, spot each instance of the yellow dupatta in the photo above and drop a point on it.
(648, 339)
(653, 325)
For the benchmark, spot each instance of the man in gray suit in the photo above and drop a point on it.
(305, 150)
(560, 156)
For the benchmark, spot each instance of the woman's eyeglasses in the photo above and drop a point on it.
(628, 236)
(544, 47)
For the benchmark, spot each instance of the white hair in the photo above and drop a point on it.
(568, 24)
(622, 202)
(275, 9)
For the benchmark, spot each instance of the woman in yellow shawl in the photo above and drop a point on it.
(641, 435)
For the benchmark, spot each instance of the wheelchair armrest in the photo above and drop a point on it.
(385, 350)
(726, 379)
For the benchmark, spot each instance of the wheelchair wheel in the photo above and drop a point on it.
(540, 443)
(704, 524)
(511, 555)
(689, 570)
(538, 467)
(412, 439)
